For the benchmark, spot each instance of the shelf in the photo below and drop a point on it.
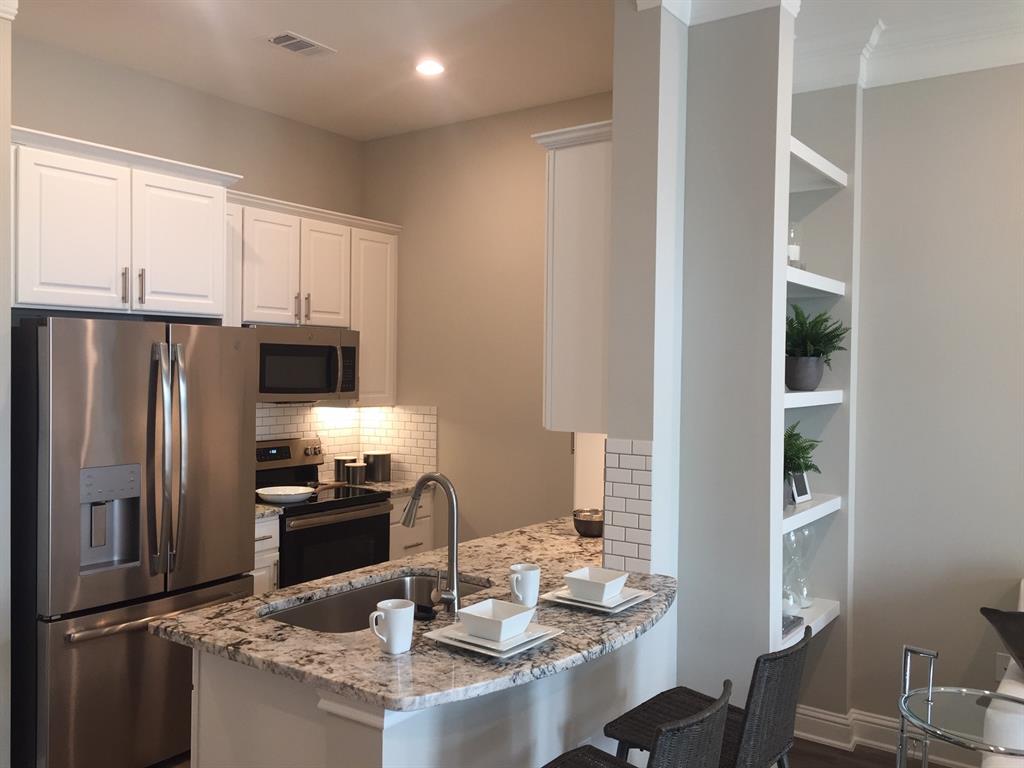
(821, 505)
(801, 284)
(811, 399)
(821, 613)
(809, 171)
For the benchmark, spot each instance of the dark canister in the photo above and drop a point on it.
(355, 473)
(339, 467)
(378, 466)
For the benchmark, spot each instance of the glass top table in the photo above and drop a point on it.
(984, 721)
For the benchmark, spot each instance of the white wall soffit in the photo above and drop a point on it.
(692, 12)
(8, 9)
(990, 37)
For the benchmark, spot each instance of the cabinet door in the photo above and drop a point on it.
(375, 314)
(73, 224)
(264, 575)
(178, 245)
(270, 267)
(576, 287)
(326, 273)
(233, 270)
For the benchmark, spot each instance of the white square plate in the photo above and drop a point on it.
(625, 599)
(471, 643)
(460, 632)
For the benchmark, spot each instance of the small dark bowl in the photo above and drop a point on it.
(588, 522)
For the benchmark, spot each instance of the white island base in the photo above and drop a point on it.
(242, 716)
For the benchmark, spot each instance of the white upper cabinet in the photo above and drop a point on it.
(103, 228)
(73, 224)
(375, 314)
(178, 245)
(233, 289)
(270, 267)
(576, 278)
(326, 273)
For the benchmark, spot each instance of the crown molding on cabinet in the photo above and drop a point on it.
(579, 134)
(50, 141)
(692, 12)
(8, 9)
(310, 212)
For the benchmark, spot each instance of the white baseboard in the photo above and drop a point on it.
(858, 728)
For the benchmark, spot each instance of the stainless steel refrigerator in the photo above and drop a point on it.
(133, 469)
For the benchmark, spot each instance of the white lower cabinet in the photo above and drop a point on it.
(266, 566)
(419, 538)
(73, 218)
(375, 314)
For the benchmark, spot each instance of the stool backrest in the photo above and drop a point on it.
(770, 714)
(695, 742)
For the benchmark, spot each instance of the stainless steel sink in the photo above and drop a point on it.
(350, 611)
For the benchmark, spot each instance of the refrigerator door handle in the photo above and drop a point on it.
(161, 353)
(139, 625)
(178, 358)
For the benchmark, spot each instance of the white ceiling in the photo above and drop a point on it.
(500, 55)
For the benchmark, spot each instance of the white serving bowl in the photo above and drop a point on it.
(285, 494)
(496, 619)
(595, 585)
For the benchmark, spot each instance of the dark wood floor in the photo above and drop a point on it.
(809, 755)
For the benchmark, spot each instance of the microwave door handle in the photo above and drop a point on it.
(178, 359)
(161, 530)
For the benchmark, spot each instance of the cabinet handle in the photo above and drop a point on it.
(296, 309)
(142, 286)
(411, 546)
(308, 296)
(124, 285)
(268, 537)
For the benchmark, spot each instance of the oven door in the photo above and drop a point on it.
(324, 543)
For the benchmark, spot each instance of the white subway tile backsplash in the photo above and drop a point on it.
(352, 431)
(628, 475)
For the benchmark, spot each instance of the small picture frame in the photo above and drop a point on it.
(799, 487)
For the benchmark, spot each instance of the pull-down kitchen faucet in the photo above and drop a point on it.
(449, 596)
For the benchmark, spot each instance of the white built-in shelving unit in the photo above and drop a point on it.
(732, 556)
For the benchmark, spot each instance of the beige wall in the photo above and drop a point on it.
(939, 525)
(59, 91)
(471, 199)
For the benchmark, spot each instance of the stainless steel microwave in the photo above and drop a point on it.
(307, 364)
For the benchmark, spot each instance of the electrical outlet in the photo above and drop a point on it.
(1002, 664)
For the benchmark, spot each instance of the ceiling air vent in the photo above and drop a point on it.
(299, 44)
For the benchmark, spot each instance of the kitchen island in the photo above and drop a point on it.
(268, 693)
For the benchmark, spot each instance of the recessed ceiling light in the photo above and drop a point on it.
(430, 67)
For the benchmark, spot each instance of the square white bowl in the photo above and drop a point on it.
(496, 619)
(595, 585)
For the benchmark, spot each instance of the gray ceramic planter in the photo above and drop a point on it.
(803, 374)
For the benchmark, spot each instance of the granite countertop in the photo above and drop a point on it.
(266, 510)
(352, 664)
(394, 487)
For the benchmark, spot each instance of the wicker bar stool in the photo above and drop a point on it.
(757, 736)
(693, 742)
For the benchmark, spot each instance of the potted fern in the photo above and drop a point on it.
(797, 461)
(810, 343)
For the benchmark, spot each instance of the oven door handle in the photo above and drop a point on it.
(330, 518)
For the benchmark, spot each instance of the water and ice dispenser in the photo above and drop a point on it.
(110, 499)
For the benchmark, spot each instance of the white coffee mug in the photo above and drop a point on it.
(524, 578)
(394, 617)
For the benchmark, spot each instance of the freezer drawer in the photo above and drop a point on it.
(110, 693)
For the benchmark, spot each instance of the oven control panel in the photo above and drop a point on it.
(292, 452)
